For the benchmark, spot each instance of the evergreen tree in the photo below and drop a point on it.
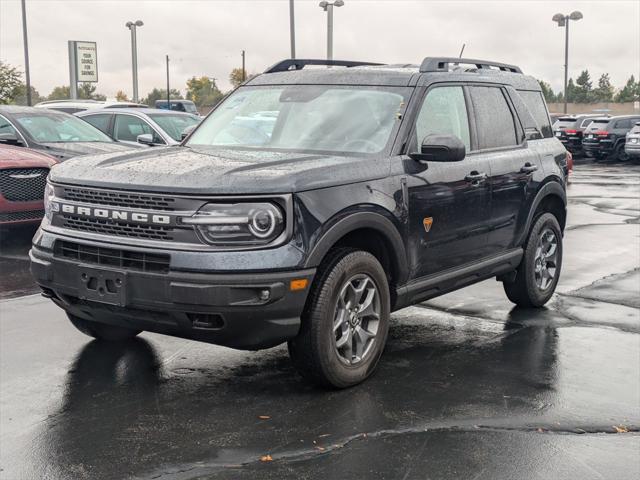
(583, 91)
(630, 92)
(604, 91)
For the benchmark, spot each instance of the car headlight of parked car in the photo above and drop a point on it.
(49, 205)
(238, 223)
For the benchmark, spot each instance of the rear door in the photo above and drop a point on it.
(502, 143)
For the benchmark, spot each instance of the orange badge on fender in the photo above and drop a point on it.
(427, 222)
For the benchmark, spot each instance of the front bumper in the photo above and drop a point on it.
(632, 149)
(16, 213)
(239, 310)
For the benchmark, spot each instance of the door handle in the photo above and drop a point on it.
(476, 178)
(528, 168)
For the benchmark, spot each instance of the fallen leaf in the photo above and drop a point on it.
(540, 430)
(266, 458)
(321, 449)
(621, 429)
(264, 417)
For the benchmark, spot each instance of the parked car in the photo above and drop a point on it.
(606, 137)
(555, 116)
(632, 144)
(147, 126)
(178, 106)
(378, 187)
(56, 133)
(23, 176)
(569, 129)
(75, 106)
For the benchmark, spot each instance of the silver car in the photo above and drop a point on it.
(147, 126)
(632, 142)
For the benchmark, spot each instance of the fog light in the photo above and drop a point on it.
(264, 295)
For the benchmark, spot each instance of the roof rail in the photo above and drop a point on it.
(441, 64)
(299, 64)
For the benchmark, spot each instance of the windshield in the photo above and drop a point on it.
(50, 127)
(174, 125)
(305, 118)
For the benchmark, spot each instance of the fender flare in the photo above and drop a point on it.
(552, 187)
(353, 222)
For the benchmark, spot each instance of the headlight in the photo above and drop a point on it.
(49, 205)
(238, 223)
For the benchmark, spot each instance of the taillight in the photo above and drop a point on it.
(571, 132)
(569, 162)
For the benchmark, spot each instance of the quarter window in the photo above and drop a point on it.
(494, 119)
(535, 103)
(444, 111)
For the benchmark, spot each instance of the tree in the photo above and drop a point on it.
(547, 91)
(121, 96)
(160, 94)
(571, 91)
(60, 93)
(630, 92)
(235, 77)
(583, 91)
(604, 91)
(203, 91)
(20, 95)
(87, 91)
(10, 81)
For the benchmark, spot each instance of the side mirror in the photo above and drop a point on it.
(145, 139)
(10, 138)
(440, 148)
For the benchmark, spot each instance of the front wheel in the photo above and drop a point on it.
(102, 331)
(539, 271)
(345, 322)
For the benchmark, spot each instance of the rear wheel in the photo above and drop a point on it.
(537, 276)
(345, 322)
(621, 155)
(102, 331)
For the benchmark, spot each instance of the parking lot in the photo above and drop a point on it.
(468, 387)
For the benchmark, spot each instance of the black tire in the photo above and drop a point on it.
(524, 291)
(314, 351)
(102, 331)
(621, 155)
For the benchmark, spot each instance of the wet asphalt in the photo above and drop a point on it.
(468, 387)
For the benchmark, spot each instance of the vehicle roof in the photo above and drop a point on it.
(145, 111)
(399, 75)
(176, 100)
(84, 102)
(9, 109)
(618, 117)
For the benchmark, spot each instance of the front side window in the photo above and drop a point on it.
(494, 120)
(305, 118)
(174, 125)
(443, 111)
(128, 127)
(51, 127)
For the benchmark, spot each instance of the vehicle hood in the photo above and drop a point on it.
(22, 157)
(215, 171)
(66, 150)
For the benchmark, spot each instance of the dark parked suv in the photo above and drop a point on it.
(309, 205)
(606, 136)
(569, 129)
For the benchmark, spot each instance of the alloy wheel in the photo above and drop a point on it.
(546, 259)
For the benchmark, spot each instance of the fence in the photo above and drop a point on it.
(604, 108)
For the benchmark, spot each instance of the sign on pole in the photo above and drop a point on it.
(83, 64)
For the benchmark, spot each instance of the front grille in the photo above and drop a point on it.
(20, 216)
(23, 184)
(119, 199)
(114, 257)
(121, 229)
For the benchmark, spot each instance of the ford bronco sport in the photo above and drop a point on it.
(308, 206)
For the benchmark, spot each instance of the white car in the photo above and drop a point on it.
(75, 106)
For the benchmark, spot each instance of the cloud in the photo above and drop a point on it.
(206, 37)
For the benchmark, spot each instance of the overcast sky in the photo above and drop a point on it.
(205, 37)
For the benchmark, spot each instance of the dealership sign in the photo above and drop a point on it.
(83, 61)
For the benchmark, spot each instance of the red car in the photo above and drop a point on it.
(23, 175)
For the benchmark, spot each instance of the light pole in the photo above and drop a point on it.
(292, 29)
(26, 52)
(563, 21)
(134, 55)
(328, 7)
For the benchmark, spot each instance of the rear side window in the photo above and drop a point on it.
(101, 121)
(535, 103)
(626, 123)
(444, 111)
(494, 120)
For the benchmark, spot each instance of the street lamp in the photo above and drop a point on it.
(134, 55)
(328, 7)
(563, 21)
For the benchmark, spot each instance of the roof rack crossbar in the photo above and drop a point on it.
(299, 64)
(441, 64)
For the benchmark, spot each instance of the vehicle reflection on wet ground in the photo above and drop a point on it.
(468, 387)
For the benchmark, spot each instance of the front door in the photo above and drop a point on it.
(449, 202)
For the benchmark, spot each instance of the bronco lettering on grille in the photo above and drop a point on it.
(122, 215)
